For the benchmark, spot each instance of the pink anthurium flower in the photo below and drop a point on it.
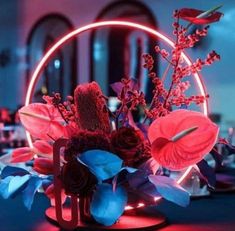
(181, 138)
(43, 148)
(43, 166)
(43, 121)
(198, 16)
(23, 154)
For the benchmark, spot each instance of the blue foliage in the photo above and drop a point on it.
(170, 190)
(13, 185)
(140, 183)
(13, 171)
(108, 205)
(143, 128)
(149, 167)
(207, 172)
(46, 182)
(218, 158)
(128, 169)
(227, 149)
(104, 165)
(28, 194)
(4, 186)
(125, 170)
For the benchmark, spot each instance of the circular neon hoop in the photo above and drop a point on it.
(72, 34)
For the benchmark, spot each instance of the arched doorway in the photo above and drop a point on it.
(116, 53)
(60, 74)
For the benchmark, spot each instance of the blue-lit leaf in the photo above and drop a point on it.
(28, 194)
(144, 129)
(123, 169)
(117, 87)
(102, 164)
(12, 185)
(170, 190)
(134, 84)
(129, 169)
(18, 184)
(137, 179)
(207, 172)
(13, 171)
(108, 205)
(150, 166)
(148, 189)
(183, 106)
(46, 183)
(218, 158)
(139, 182)
(228, 149)
(131, 121)
(4, 184)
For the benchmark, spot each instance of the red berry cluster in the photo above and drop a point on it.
(164, 99)
(66, 108)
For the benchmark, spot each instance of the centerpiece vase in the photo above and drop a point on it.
(78, 215)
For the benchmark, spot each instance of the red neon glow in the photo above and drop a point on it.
(72, 34)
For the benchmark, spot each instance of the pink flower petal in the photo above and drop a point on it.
(189, 149)
(22, 155)
(42, 121)
(191, 16)
(43, 166)
(43, 148)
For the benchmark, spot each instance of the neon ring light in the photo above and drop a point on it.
(72, 34)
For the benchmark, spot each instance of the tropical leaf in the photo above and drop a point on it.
(108, 205)
(170, 190)
(150, 166)
(207, 173)
(33, 185)
(102, 164)
(123, 169)
(12, 185)
(13, 171)
(42, 121)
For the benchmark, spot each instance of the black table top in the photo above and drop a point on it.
(215, 213)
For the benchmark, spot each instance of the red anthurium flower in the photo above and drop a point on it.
(42, 121)
(22, 155)
(193, 16)
(181, 138)
(43, 166)
(43, 148)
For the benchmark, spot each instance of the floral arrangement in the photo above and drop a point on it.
(110, 158)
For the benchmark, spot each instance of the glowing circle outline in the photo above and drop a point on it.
(95, 25)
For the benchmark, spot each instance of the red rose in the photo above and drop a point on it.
(86, 140)
(128, 144)
(77, 179)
